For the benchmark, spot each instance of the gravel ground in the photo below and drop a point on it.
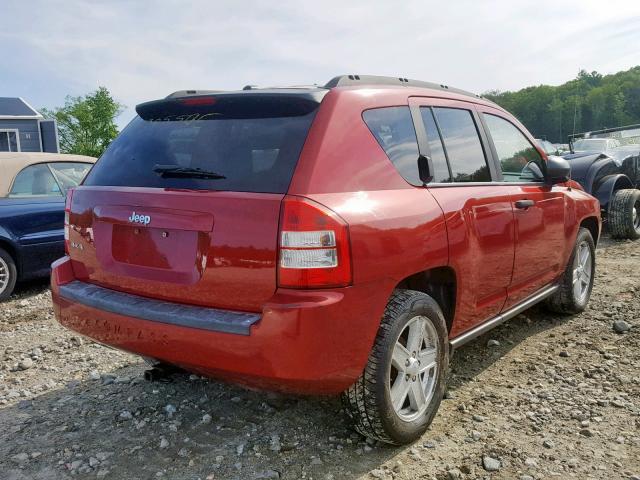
(539, 397)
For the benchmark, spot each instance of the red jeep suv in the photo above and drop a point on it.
(343, 238)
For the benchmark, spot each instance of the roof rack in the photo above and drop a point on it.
(187, 93)
(340, 81)
(358, 80)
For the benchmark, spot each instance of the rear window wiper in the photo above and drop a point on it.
(167, 171)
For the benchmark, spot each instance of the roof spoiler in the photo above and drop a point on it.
(188, 93)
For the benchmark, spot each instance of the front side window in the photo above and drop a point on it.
(519, 160)
(462, 144)
(590, 145)
(393, 128)
(35, 180)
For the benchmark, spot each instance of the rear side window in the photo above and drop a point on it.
(462, 144)
(35, 181)
(251, 142)
(393, 129)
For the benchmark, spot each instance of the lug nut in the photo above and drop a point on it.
(406, 377)
(413, 378)
(407, 363)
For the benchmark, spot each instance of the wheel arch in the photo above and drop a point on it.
(593, 225)
(609, 185)
(8, 246)
(440, 283)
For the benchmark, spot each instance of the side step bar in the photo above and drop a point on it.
(503, 317)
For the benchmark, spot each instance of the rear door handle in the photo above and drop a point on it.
(524, 204)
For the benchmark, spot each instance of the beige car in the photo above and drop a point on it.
(32, 194)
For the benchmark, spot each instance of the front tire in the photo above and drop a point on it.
(398, 394)
(624, 214)
(8, 275)
(577, 281)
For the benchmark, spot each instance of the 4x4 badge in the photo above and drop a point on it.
(137, 218)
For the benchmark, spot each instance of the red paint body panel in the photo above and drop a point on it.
(219, 249)
(479, 223)
(541, 238)
(306, 341)
(227, 259)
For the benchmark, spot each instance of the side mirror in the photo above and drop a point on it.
(558, 170)
(424, 169)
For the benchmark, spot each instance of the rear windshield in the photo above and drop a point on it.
(254, 143)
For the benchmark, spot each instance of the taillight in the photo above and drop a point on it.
(314, 246)
(67, 209)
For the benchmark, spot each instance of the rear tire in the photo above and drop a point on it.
(624, 214)
(577, 281)
(8, 275)
(398, 394)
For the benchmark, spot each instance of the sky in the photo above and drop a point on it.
(143, 50)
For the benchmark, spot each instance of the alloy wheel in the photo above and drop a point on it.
(582, 264)
(4, 275)
(414, 368)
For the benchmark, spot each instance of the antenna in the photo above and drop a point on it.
(575, 114)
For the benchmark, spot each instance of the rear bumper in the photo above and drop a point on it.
(303, 341)
(127, 305)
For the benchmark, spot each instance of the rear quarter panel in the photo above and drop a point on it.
(393, 234)
(395, 229)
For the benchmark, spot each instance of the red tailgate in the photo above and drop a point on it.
(197, 247)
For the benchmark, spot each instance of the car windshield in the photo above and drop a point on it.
(625, 151)
(69, 174)
(590, 145)
(547, 146)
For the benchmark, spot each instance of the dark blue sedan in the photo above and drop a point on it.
(32, 194)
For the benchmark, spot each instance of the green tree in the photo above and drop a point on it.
(86, 125)
(591, 101)
(555, 113)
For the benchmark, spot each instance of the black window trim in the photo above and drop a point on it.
(444, 147)
(423, 140)
(494, 152)
(423, 144)
(490, 155)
